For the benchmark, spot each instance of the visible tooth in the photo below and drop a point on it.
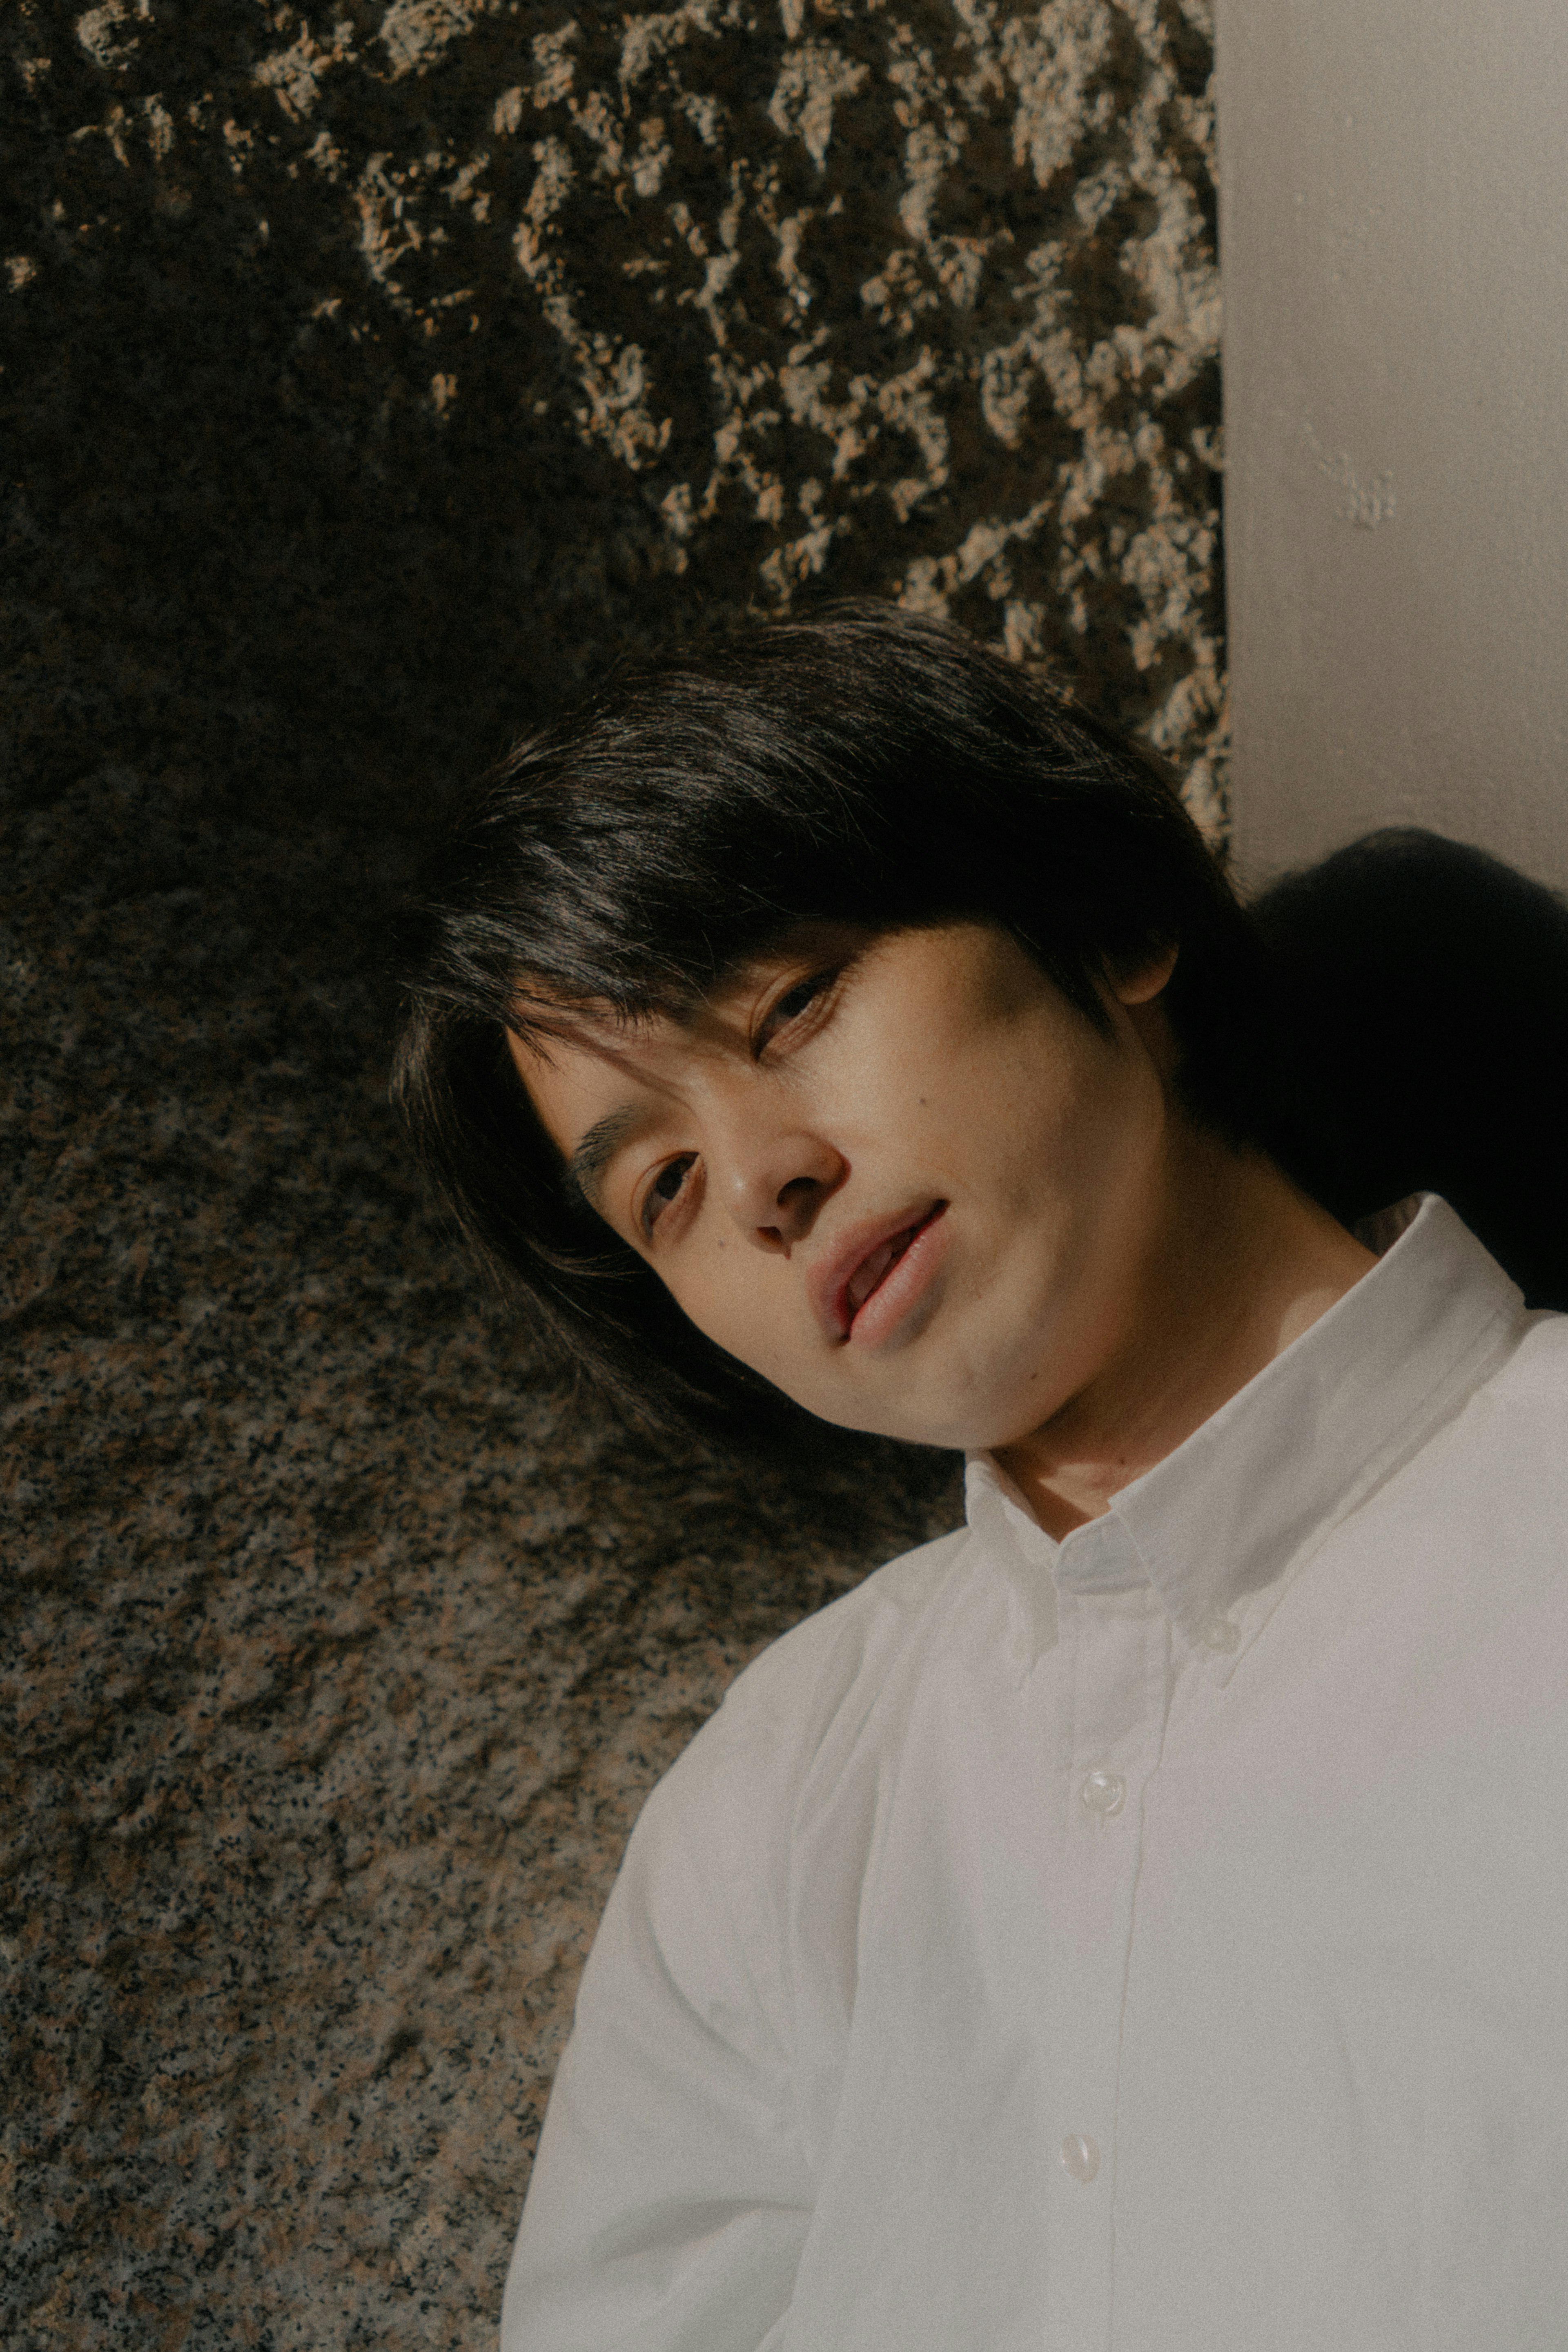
(868, 1275)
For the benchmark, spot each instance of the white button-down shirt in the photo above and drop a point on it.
(1156, 1940)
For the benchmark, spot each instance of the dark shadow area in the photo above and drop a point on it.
(1424, 1042)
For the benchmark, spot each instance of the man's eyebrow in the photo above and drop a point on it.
(585, 1169)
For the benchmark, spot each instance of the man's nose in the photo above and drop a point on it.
(774, 1187)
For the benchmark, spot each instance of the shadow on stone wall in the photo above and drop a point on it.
(373, 373)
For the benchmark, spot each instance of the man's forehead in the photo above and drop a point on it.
(588, 1041)
(598, 1025)
(594, 1083)
(580, 1062)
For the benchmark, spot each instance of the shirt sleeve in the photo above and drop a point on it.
(671, 2198)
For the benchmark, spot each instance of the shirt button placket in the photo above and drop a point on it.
(1114, 1645)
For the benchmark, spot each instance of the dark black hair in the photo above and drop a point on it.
(867, 766)
(1421, 996)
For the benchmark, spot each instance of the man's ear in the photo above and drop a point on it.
(1148, 976)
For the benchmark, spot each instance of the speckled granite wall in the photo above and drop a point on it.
(373, 374)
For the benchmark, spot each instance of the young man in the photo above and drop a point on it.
(1139, 1919)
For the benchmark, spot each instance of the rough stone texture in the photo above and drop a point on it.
(383, 366)
(345, 1653)
(373, 374)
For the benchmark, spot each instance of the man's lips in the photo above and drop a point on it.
(863, 1261)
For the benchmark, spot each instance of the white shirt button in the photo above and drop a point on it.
(1080, 2155)
(1222, 1635)
(1103, 1794)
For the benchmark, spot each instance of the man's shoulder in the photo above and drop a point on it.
(1519, 1414)
(1488, 1482)
(878, 1616)
(808, 1690)
(1538, 1366)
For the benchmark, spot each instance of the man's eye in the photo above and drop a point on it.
(797, 1000)
(664, 1188)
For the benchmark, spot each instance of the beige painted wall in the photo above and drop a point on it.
(1393, 227)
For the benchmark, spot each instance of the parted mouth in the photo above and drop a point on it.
(863, 1263)
(870, 1270)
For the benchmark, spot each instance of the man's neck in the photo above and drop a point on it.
(1241, 1264)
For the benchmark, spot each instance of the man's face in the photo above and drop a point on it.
(900, 1177)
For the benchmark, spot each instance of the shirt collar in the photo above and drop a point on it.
(1287, 1457)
